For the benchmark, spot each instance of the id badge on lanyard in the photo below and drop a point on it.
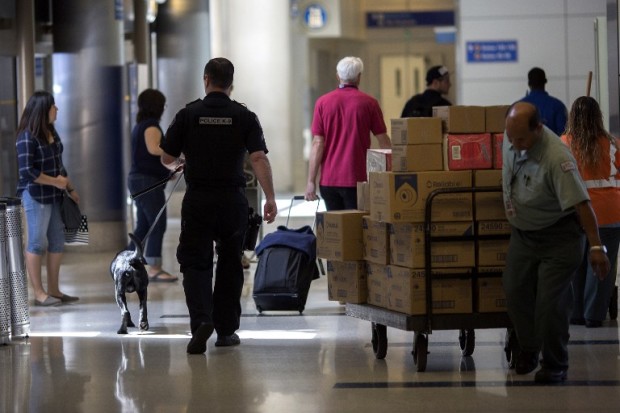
(508, 203)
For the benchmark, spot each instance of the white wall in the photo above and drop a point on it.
(254, 35)
(556, 35)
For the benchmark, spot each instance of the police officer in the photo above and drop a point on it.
(212, 135)
(549, 209)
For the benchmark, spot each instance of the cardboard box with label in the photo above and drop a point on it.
(376, 241)
(490, 295)
(363, 196)
(407, 292)
(415, 131)
(489, 205)
(377, 276)
(461, 119)
(498, 158)
(492, 252)
(417, 158)
(407, 245)
(346, 281)
(495, 118)
(339, 235)
(499, 227)
(378, 160)
(469, 151)
(401, 197)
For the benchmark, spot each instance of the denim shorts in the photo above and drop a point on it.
(44, 225)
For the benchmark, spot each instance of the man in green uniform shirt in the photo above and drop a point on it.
(549, 209)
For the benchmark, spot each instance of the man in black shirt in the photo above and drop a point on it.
(213, 135)
(437, 84)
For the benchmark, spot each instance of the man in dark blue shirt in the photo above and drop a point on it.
(552, 111)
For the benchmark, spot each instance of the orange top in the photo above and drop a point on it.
(603, 181)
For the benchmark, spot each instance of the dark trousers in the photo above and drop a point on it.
(148, 206)
(537, 280)
(209, 216)
(338, 198)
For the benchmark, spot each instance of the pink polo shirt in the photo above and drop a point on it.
(345, 117)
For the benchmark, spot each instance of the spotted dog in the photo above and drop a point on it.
(129, 275)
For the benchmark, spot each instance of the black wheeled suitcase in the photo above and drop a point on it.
(286, 267)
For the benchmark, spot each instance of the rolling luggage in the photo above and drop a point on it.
(286, 267)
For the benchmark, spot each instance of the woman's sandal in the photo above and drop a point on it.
(167, 277)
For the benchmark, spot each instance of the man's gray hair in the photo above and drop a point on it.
(349, 68)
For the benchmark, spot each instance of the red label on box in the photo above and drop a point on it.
(498, 140)
(467, 151)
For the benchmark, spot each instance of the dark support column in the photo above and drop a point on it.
(25, 51)
(89, 79)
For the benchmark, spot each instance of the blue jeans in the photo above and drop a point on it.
(338, 198)
(592, 295)
(148, 206)
(45, 226)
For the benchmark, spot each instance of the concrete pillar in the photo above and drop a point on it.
(88, 79)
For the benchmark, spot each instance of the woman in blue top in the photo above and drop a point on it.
(42, 180)
(146, 170)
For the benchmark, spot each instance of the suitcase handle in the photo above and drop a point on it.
(302, 198)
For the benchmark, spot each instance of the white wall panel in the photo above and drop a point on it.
(536, 39)
(580, 42)
(557, 35)
(493, 92)
(585, 6)
(484, 8)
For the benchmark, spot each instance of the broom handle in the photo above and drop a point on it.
(589, 84)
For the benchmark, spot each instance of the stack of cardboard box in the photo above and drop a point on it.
(376, 254)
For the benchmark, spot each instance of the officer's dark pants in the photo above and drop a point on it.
(537, 281)
(208, 216)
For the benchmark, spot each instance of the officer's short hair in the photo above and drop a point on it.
(349, 68)
(220, 71)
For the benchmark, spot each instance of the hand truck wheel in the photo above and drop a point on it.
(420, 351)
(467, 341)
(379, 340)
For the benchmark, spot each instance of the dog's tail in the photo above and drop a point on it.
(139, 250)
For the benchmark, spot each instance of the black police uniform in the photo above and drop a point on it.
(421, 105)
(214, 134)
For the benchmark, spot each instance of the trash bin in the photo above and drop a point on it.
(5, 287)
(20, 318)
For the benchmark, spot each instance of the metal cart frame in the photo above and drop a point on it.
(423, 325)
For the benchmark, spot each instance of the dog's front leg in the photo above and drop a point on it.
(144, 322)
(121, 300)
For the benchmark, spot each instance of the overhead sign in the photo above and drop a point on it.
(492, 51)
(409, 19)
(315, 16)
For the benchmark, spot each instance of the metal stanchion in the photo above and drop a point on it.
(5, 288)
(20, 318)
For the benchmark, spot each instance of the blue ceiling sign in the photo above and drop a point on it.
(409, 19)
(492, 51)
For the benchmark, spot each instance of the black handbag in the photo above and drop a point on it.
(70, 212)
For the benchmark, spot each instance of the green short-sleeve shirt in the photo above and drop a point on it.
(541, 185)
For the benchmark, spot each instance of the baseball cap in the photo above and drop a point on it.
(435, 72)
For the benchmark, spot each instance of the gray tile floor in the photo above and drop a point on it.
(321, 361)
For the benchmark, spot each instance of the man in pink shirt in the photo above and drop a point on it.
(341, 126)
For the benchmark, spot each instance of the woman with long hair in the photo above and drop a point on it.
(598, 158)
(42, 181)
